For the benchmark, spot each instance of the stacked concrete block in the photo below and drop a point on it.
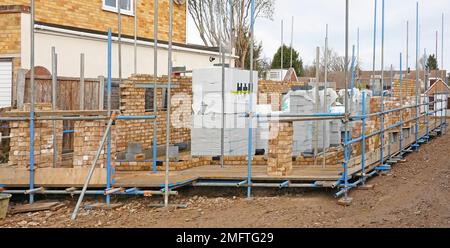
(19, 154)
(280, 149)
(208, 117)
(302, 102)
(335, 133)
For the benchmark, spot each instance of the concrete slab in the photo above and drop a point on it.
(345, 201)
(102, 206)
(366, 187)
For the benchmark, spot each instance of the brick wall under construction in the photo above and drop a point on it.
(87, 139)
(43, 140)
(271, 92)
(132, 102)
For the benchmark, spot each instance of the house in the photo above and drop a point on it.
(439, 92)
(276, 74)
(76, 27)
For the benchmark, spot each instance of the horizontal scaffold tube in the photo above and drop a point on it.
(78, 118)
(256, 185)
(91, 192)
(386, 129)
(144, 117)
(296, 115)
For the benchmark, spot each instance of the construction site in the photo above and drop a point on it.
(125, 137)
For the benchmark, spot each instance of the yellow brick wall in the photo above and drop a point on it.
(10, 34)
(88, 14)
(10, 41)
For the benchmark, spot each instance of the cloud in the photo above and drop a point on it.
(311, 18)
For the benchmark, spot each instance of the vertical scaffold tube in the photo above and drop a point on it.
(425, 79)
(108, 138)
(417, 78)
(155, 78)
(374, 41)
(54, 102)
(363, 138)
(401, 106)
(391, 81)
(32, 100)
(135, 35)
(382, 88)
(250, 119)
(346, 126)
(444, 76)
(166, 181)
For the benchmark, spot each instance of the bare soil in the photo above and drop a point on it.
(415, 193)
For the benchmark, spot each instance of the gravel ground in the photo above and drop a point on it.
(415, 193)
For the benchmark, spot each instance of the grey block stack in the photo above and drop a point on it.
(207, 112)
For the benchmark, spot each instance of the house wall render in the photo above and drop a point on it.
(89, 14)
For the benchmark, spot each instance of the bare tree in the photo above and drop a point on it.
(336, 63)
(212, 19)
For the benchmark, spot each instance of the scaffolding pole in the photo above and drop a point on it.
(382, 87)
(407, 51)
(119, 38)
(358, 58)
(92, 169)
(32, 101)
(363, 137)
(401, 105)
(250, 125)
(444, 77)
(292, 40)
(82, 83)
(231, 32)
(135, 35)
(282, 50)
(325, 107)
(155, 79)
(416, 145)
(425, 80)
(316, 106)
(346, 126)
(167, 169)
(54, 102)
(374, 43)
(108, 137)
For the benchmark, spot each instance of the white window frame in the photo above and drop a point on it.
(122, 11)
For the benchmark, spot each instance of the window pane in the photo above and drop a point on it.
(110, 3)
(149, 100)
(165, 98)
(125, 4)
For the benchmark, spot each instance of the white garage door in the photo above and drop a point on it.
(5, 83)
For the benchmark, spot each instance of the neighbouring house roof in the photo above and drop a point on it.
(438, 87)
(291, 76)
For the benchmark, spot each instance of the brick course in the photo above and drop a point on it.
(89, 14)
(280, 149)
(87, 138)
(20, 141)
(132, 102)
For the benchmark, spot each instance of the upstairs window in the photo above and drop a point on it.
(126, 6)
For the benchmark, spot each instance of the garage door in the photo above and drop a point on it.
(5, 83)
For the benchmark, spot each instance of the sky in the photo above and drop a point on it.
(312, 16)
